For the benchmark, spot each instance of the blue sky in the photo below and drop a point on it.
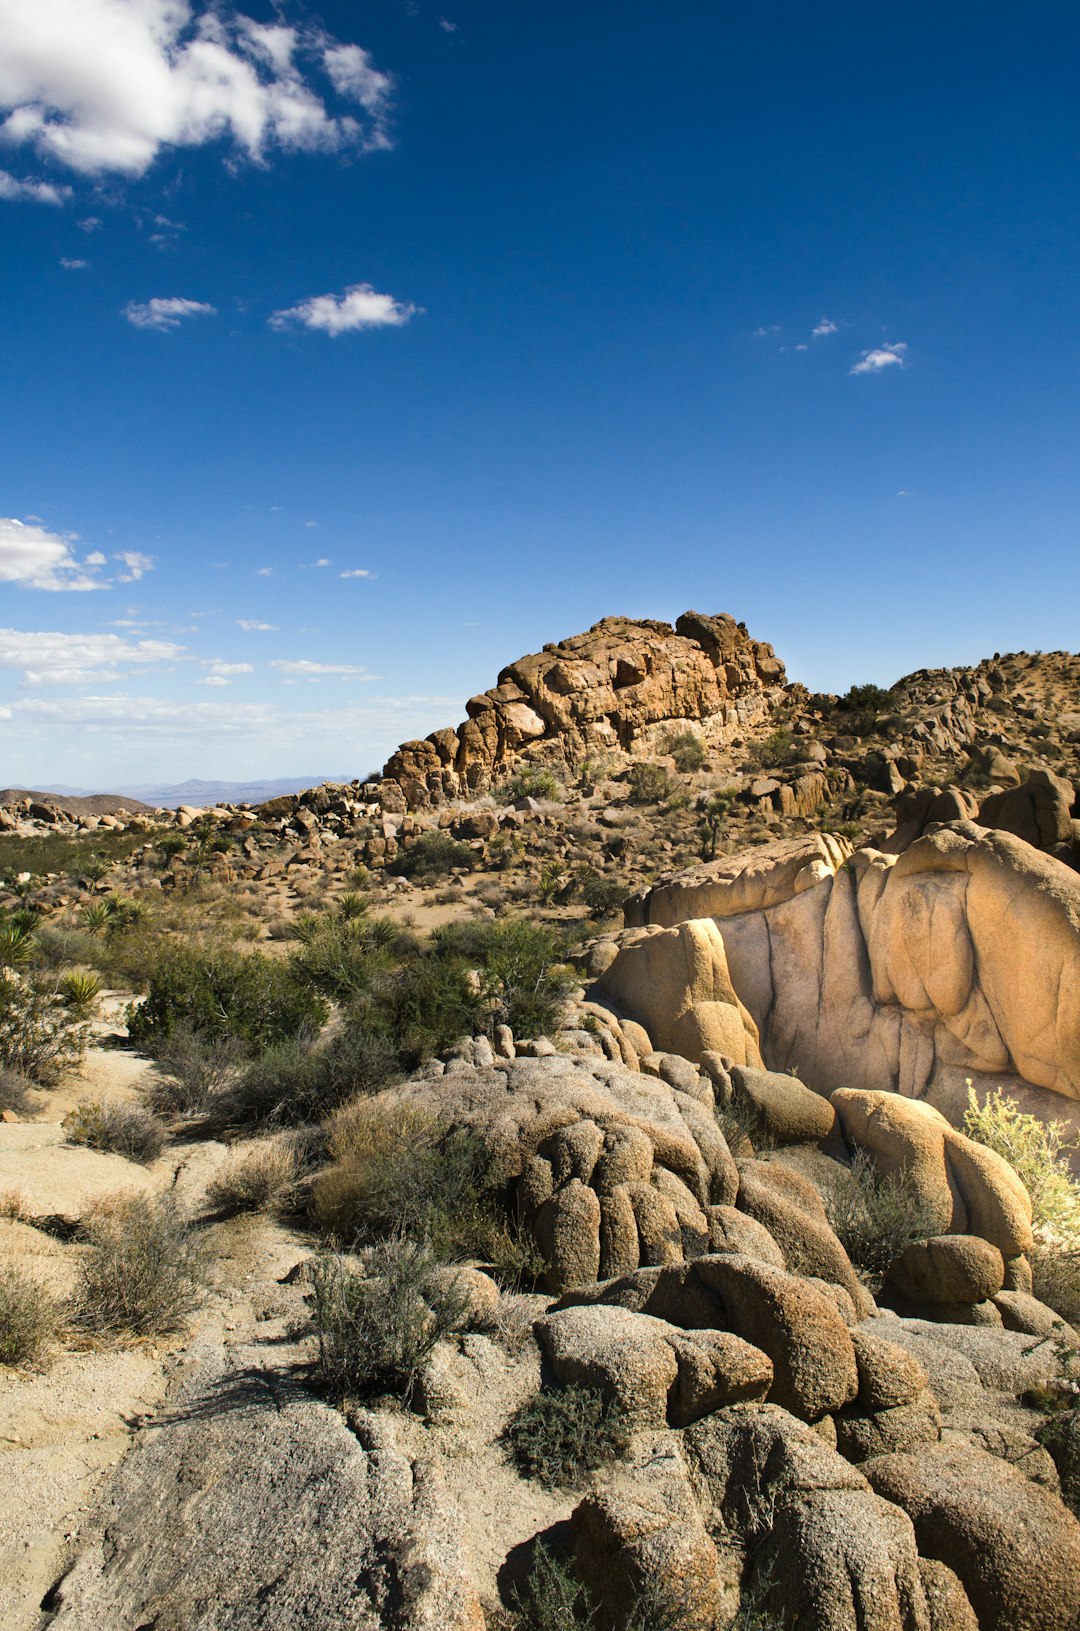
(351, 350)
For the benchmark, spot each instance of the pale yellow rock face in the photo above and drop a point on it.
(675, 982)
(961, 957)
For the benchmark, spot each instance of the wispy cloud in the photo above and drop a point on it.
(359, 307)
(165, 314)
(219, 672)
(880, 358)
(47, 658)
(826, 326)
(304, 670)
(14, 191)
(764, 333)
(356, 572)
(136, 565)
(251, 625)
(72, 265)
(264, 571)
(104, 87)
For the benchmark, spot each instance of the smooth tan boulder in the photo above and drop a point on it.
(787, 1110)
(861, 1434)
(790, 1208)
(567, 1229)
(733, 1231)
(1013, 1545)
(675, 982)
(888, 1375)
(948, 1269)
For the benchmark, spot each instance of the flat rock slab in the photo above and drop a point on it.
(52, 1178)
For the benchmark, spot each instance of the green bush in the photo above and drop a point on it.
(430, 855)
(688, 751)
(375, 1329)
(17, 944)
(130, 1130)
(531, 782)
(551, 1598)
(560, 1437)
(81, 989)
(221, 992)
(399, 1172)
(876, 1217)
(294, 1083)
(39, 1037)
(342, 956)
(523, 978)
(602, 895)
(773, 751)
(29, 1316)
(648, 783)
(1037, 1150)
(861, 699)
(146, 1271)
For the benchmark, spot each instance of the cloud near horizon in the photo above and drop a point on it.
(359, 307)
(305, 670)
(52, 658)
(104, 86)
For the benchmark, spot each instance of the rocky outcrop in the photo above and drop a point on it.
(619, 688)
(959, 958)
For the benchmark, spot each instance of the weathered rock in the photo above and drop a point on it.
(788, 1110)
(1013, 1545)
(50, 1178)
(862, 1434)
(733, 1231)
(899, 970)
(837, 1557)
(948, 1269)
(946, 1599)
(790, 1208)
(888, 1374)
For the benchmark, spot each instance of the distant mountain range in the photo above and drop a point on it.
(202, 793)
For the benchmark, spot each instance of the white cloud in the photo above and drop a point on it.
(165, 314)
(95, 558)
(136, 563)
(880, 358)
(92, 223)
(264, 572)
(73, 265)
(359, 307)
(39, 559)
(764, 333)
(826, 326)
(357, 572)
(14, 191)
(251, 626)
(103, 86)
(304, 670)
(324, 560)
(222, 673)
(77, 659)
(447, 26)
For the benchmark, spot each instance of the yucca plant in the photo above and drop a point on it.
(81, 989)
(95, 869)
(16, 944)
(96, 915)
(351, 905)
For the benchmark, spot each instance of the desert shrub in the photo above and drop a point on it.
(523, 979)
(29, 1316)
(194, 1067)
(648, 783)
(130, 1130)
(295, 1082)
(170, 844)
(96, 915)
(146, 1270)
(1055, 1272)
(81, 989)
(1038, 1151)
(352, 905)
(221, 992)
(560, 1437)
(1061, 1437)
(715, 813)
(39, 1038)
(15, 1091)
(602, 895)
(876, 1217)
(688, 751)
(262, 1178)
(398, 1172)
(551, 1598)
(430, 854)
(772, 751)
(531, 782)
(861, 699)
(376, 1328)
(342, 956)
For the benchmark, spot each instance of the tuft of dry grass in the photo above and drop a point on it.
(264, 1177)
(146, 1271)
(129, 1130)
(30, 1317)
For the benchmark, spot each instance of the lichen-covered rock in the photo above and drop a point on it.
(1013, 1544)
(655, 1371)
(948, 1269)
(835, 1556)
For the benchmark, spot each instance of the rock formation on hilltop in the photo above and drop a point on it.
(623, 686)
